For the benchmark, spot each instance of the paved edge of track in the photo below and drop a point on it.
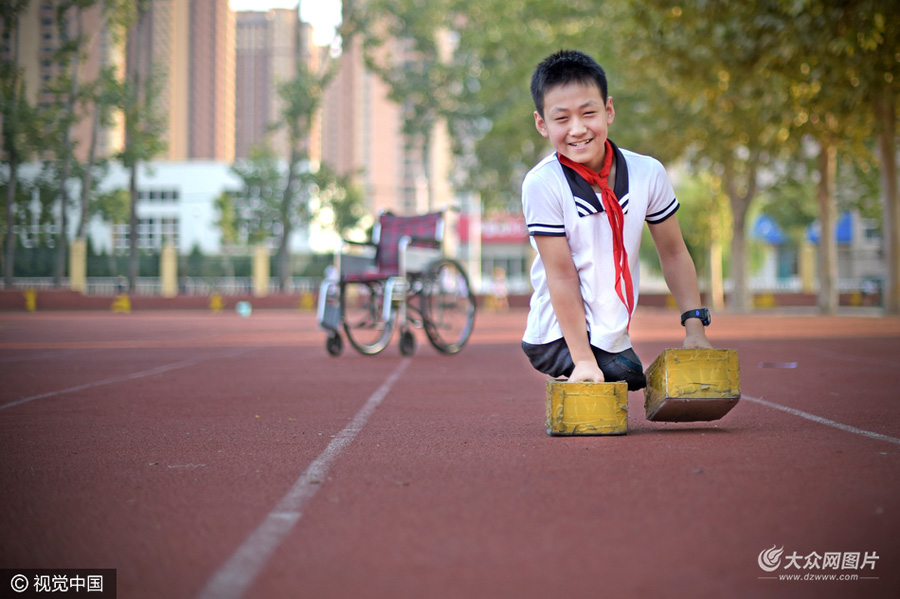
(236, 575)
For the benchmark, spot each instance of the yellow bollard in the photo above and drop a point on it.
(121, 305)
(765, 301)
(690, 385)
(215, 303)
(168, 271)
(30, 300)
(307, 301)
(260, 271)
(586, 408)
(78, 265)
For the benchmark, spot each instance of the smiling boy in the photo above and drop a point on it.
(585, 206)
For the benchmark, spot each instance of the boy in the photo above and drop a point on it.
(585, 206)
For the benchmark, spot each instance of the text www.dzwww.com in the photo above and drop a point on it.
(821, 577)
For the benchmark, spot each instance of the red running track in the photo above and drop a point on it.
(211, 455)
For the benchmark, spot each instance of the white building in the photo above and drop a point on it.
(176, 203)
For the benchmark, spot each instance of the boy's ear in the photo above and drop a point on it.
(540, 125)
(610, 111)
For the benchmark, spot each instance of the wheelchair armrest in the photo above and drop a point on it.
(427, 242)
(355, 257)
(357, 243)
(416, 253)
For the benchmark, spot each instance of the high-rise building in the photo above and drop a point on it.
(269, 47)
(363, 133)
(210, 103)
(36, 43)
(190, 44)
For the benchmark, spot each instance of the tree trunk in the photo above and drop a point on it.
(716, 292)
(740, 293)
(284, 261)
(133, 256)
(87, 180)
(10, 253)
(740, 204)
(133, 68)
(828, 268)
(10, 140)
(885, 111)
(62, 243)
(287, 208)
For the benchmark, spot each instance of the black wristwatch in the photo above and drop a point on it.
(701, 313)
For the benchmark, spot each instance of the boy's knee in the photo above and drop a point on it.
(624, 366)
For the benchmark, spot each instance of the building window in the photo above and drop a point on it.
(152, 234)
(158, 195)
(871, 230)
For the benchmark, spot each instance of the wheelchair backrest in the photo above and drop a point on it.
(426, 230)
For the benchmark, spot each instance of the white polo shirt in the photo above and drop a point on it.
(551, 207)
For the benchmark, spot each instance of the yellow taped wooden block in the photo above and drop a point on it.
(587, 408)
(690, 385)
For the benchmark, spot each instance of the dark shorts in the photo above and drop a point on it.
(554, 359)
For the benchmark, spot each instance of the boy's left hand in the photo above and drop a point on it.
(695, 336)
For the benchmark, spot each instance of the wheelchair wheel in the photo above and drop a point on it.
(363, 316)
(448, 306)
(407, 343)
(334, 344)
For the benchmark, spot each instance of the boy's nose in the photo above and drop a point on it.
(577, 126)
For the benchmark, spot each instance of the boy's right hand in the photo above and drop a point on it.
(586, 371)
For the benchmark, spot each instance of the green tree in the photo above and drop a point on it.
(344, 198)
(144, 123)
(301, 98)
(262, 209)
(852, 47)
(62, 115)
(718, 99)
(101, 98)
(470, 64)
(21, 125)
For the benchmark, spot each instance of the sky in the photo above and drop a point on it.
(323, 15)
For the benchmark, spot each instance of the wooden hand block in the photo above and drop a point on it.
(586, 408)
(690, 385)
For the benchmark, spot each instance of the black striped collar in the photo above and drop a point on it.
(586, 201)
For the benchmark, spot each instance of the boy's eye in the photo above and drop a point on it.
(561, 119)
(591, 113)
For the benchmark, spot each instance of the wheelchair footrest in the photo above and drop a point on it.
(331, 318)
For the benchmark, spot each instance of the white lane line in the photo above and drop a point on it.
(820, 420)
(128, 377)
(236, 575)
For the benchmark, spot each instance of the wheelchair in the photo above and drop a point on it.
(399, 280)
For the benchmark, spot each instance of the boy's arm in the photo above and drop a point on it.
(681, 277)
(565, 297)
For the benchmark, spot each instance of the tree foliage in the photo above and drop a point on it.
(20, 128)
(470, 63)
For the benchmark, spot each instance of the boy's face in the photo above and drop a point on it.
(576, 121)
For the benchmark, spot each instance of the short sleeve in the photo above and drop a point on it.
(542, 204)
(662, 202)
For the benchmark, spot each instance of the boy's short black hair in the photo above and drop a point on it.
(561, 68)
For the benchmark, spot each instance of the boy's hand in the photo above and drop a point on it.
(695, 335)
(586, 371)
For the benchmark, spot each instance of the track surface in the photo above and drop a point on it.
(211, 455)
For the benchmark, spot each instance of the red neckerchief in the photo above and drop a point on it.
(616, 222)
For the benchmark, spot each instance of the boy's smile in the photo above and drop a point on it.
(576, 122)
